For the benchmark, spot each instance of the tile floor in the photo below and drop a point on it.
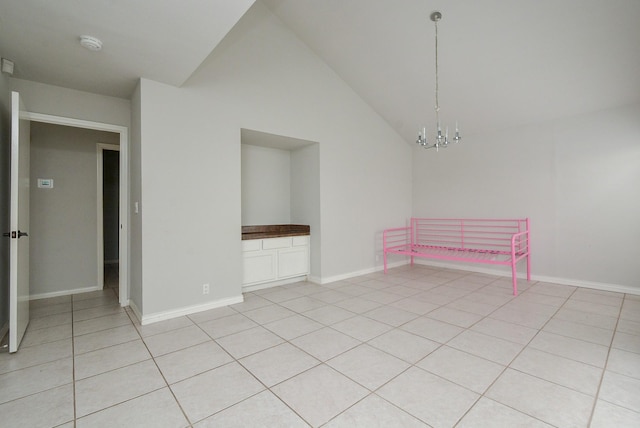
(415, 348)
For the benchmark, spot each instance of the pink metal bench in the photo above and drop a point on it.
(489, 241)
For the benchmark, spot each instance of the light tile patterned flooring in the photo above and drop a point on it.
(417, 347)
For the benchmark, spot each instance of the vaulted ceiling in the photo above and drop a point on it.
(503, 63)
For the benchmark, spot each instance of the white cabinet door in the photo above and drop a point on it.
(260, 267)
(293, 262)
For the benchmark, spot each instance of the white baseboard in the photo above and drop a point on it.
(481, 269)
(174, 313)
(330, 279)
(522, 275)
(4, 330)
(603, 286)
(135, 311)
(187, 310)
(64, 292)
(261, 286)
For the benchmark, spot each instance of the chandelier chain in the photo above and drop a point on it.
(437, 107)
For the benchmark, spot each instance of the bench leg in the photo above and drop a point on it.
(514, 278)
(528, 267)
(384, 256)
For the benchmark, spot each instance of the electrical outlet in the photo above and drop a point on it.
(205, 288)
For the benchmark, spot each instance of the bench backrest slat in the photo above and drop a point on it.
(469, 233)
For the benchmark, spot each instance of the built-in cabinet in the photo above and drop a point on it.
(274, 261)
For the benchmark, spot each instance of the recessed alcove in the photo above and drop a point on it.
(281, 184)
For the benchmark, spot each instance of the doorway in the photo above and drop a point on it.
(108, 197)
(123, 234)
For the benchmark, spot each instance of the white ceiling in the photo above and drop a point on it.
(503, 63)
(163, 40)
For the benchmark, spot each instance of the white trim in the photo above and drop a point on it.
(4, 330)
(507, 274)
(100, 148)
(314, 279)
(617, 288)
(135, 311)
(124, 184)
(187, 310)
(63, 293)
(263, 285)
(317, 280)
(552, 279)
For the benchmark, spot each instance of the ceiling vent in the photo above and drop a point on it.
(91, 43)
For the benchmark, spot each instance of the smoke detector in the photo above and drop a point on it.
(91, 43)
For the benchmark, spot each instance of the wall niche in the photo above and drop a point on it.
(281, 184)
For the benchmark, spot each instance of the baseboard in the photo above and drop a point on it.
(4, 330)
(261, 286)
(342, 277)
(522, 275)
(314, 279)
(64, 293)
(187, 310)
(603, 286)
(489, 271)
(135, 311)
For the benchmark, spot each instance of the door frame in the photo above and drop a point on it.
(123, 131)
(100, 148)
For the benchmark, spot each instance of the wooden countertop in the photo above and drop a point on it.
(274, 231)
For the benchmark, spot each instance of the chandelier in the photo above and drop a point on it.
(440, 139)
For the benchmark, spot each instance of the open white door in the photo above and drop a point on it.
(19, 251)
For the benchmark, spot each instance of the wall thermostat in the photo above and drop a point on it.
(45, 183)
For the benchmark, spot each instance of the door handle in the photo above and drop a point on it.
(13, 234)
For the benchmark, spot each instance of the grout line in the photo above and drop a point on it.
(153, 358)
(370, 392)
(508, 366)
(606, 363)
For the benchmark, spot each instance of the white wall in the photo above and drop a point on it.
(63, 220)
(577, 179)
(69, 103)
(261, 77)
(266, 185)
(305, 198)
(64, 102)
(135, 197)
